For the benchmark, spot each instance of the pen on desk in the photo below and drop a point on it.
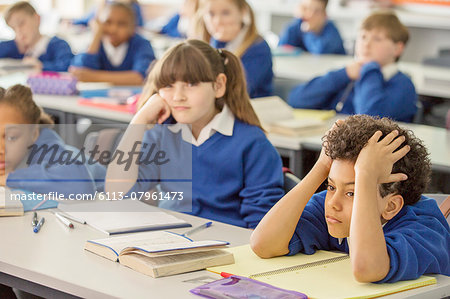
(70, 217)
(34, 221)
(64, 220)
(39, 225)
(198, 228)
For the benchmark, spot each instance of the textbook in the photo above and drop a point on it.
(278, 117)
(161, 253)
(9, 206)
(324, 274)
(122, 216)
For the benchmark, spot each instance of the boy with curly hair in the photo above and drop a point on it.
(373, 206)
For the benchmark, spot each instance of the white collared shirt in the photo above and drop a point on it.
(389, 71)
(222, 122)
(116, 55)
(39, 48)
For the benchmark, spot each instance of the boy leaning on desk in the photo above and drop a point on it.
(373, 207)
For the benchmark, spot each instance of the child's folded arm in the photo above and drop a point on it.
(320, 91)
(62, 57)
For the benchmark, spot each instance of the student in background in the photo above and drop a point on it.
(312, 31)
(116, 54)
(21, 169)
(179, 25)
(41, 51)
(372, 83)
(373, 207)
(230, 24)
(236, 172)
(90, 17)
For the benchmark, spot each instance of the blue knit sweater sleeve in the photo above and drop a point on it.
(263, 181)
(292, 35)
(58, 56)
(49, 172)
(8, 49)
(143, 55)
(171, 28)
(328, 41)
(311, 233)
(418, 242)
(257, 62)
(91, 61)
(395, 98)
(319, 92)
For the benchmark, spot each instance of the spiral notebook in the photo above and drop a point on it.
(309, 274)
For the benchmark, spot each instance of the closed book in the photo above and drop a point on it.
(161, 253)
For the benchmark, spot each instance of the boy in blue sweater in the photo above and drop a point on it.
(116, 54)
(373, 207)
(312, 31)
(42, 52)
(179, 25)
(372, 83)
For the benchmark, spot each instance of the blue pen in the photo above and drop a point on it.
(196, 229)
(39, 225)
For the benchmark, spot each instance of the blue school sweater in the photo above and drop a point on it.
(171, 28)
(137, 14)
(328, 41)
(257, 63)
(371, 94)
(57, 57)
(44, 175)
(417, 238)
(233, 179)
(138, 58)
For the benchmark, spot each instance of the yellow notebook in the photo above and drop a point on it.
(324, 274)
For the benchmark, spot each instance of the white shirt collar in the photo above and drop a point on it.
(39, 48)
(116, 55)
(233, 45)
(222, 122)
(389, 71)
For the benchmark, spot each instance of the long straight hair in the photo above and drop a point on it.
(195, 61)
(249, 21)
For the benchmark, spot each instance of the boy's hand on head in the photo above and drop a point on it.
(155, 110)
(377, 158)
(353, 69)
(324, 160)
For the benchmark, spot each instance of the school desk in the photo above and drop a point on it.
(53, 263)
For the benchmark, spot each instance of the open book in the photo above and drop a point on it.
(324, 274)
(123, 216)
(161, 253)
(9, 206)
(278, 117)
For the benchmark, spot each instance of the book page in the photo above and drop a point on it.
(152, 249)
(161, 237)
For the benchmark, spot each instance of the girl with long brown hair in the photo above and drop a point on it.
(235, 175)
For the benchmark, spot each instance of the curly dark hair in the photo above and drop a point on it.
(348, 139)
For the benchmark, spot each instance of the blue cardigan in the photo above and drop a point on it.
(417, 238)
(138, 58)
(257, 63)
(137, 14)
(171, 28)
(328, 41)
(233, 179)
(44, 177)
(395, 98)
(57, 57)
